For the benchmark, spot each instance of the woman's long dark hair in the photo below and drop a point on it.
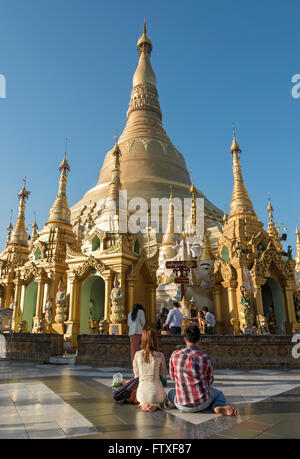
(136, 308)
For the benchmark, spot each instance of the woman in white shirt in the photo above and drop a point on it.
(149, 365)
(136, 322)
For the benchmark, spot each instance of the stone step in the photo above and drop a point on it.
(62, 360)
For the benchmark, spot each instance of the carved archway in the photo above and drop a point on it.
(87, 266)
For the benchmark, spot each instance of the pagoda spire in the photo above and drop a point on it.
(19, 234)
(115, 184)
(144, 95)
(194, 204)
(271, 229)
(34, 234)
(60, 211)
(168, 239)
(297, 259)
(206, 252)
(9, 228)
(241, 204)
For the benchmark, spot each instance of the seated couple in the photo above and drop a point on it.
(191, 370)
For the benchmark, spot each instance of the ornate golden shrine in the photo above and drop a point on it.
(71, 250)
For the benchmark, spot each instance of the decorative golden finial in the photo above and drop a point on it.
(171, 193)
(60, 211)
(34, 234)
(144, 43)
(64, 165)
(116, 136)
(192, 188)
(271, 229)
(9, 228)
(240, 203)
(270, 208)
(19, 233)
(225, 213)
(235, 146)
(115, 183)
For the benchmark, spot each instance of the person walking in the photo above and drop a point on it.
(193, 374)
(210, 321)
(174, 319)
(149, 366)
(136, 322)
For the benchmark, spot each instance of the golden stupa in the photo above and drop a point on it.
(150, 163)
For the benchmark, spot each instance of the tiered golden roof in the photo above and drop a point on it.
(60, 212)
(19, 234)
(206, 252)
(34, 234)
(241, 203)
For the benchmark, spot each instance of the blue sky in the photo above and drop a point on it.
(69, 65)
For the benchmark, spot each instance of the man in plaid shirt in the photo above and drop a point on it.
(193, 374)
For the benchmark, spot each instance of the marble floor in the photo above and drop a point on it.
(61, 400)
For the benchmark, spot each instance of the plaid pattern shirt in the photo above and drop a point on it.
(193, 374)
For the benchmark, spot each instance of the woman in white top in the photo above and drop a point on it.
(136, 322)
(148, 366)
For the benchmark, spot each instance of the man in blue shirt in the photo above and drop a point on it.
(174, 319)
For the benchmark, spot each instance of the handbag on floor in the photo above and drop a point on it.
(123, 393)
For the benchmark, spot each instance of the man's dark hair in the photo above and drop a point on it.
(176, 304)
(205, 308)
(192, 334)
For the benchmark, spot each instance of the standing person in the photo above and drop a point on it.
(136, 322)
(174, 319)
(210, 321)
(193, 374)
(149, 365)
(162, 319)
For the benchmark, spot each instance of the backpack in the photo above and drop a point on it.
(123, 393)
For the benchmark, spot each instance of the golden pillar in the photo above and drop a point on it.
(39, 307)
(17, 315)
(108, 286)
(232, 305)
(292, 325)
(72, 324)
(218, 308)
(72, 299)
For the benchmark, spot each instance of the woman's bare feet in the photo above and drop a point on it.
(226, 410)
(149, 408)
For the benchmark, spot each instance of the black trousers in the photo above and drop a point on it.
(175, 330)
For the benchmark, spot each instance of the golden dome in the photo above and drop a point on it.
(149, 163)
